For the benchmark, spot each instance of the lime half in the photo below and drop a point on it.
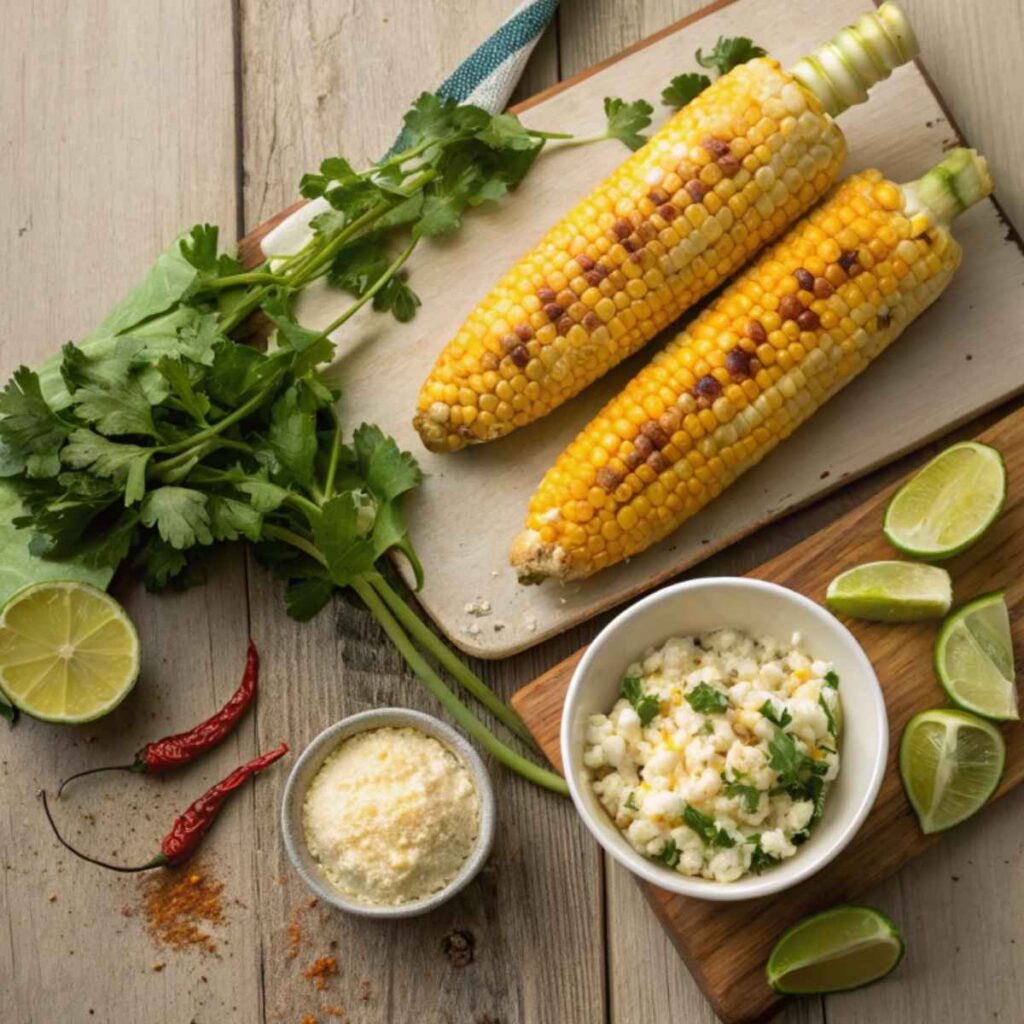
(68, 652)
(950, 763)
(946, 506)
(891, 592)
(974, 659)
(840, 949)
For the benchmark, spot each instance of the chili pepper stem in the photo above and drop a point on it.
(159, 861)
(135, 766)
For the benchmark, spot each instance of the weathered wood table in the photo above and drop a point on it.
(120, 124)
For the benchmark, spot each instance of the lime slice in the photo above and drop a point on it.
(950, 763)
(945, 507)
(891, 592)
(974, 659)
(840, 949)
(68, 652)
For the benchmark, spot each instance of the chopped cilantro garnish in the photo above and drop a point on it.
(750, 795)
(669, 854)
(728, 53)
(831, 679)
(759, 860)
(769, 712)
(684, 88)
(706, 700)
(704, 826)
(829, 718)
(631, 801)
(646, 705)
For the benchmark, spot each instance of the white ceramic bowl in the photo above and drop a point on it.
(313, 757)
(697, 606)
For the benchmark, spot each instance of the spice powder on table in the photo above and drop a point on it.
(179, 904)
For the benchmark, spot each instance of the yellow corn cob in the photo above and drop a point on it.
(784, 337)
(726, 174)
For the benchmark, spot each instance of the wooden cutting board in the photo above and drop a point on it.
(473, 503)
(726, 945)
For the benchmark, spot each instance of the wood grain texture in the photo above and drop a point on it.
(925, 376)
(727, 945)
(99, 174)
(117, 131)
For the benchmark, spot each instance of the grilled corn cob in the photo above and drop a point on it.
(785, 336)
(725, 175)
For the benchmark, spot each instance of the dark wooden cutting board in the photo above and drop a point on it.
(726, 945)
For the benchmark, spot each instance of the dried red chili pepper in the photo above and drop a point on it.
(189, 828)
(184, 747)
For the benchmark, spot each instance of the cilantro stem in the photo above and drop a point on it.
(332, 460)
(319, 260)
(253, 277)
(508, 757)
(232, 418)
(308, 508)
(392, 269)
(307, 547)
(428, 639)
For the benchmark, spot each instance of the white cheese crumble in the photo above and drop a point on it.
(391, 816)
(717, 758)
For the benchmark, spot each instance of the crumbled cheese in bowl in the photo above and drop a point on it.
(392, 816)
(717, 759)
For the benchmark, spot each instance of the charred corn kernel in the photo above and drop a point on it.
(689, 436)
(725, 175)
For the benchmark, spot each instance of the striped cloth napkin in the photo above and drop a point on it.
(485, 78)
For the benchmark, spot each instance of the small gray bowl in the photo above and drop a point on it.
(305, 770)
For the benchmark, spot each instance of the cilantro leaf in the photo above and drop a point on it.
(231, 519)
(31, 433)
(116, 408)
(359, 266)
(768, 710)
(506, 131)
(684, 88)
(176, 373)
(342, 540)
(749, 795)
(705, 827)
(759, 860)
(387, 470)
(728, 53)
(160, 563)
(669, 854)
(829, 717)
(292, 432)
(627, 120)
(646, 705)
(289, 331)
(179, 514)
(785, 760)
(124, 463)
(630, 801)
(306, 597)
(706, 700)
(831, 679)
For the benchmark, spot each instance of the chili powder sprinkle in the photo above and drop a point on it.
(180, 906)
(320, 970)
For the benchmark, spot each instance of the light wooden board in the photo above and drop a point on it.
(473, 505)
(726, 945)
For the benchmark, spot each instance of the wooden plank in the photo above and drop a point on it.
(726, 945)
(926, 376)
(528, 967)
(99, 173)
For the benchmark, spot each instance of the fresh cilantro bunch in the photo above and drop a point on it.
(162, 434)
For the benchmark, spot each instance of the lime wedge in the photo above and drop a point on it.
(950, 763)
(840, 949)
(949, 504)
(974, 659)
(68, 652)
(891, 592)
